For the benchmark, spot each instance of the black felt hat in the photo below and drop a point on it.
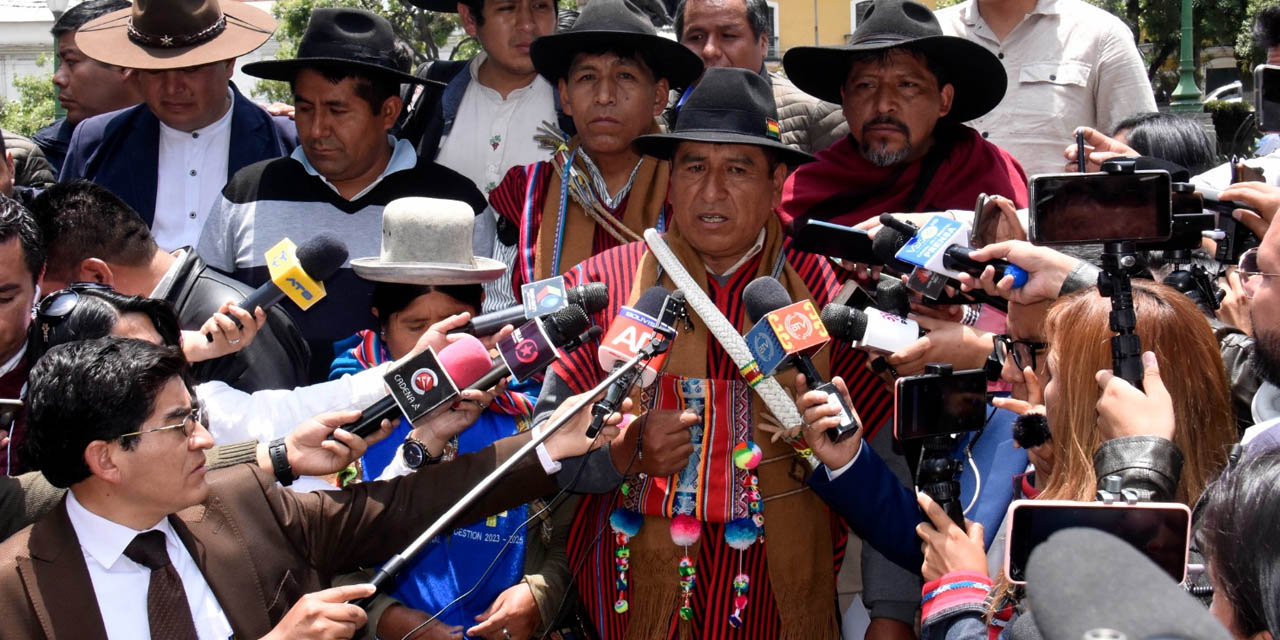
(442, 6)
(354, 38)
(613, 24)
(978, 76)
(728, 106)
(1081, 580)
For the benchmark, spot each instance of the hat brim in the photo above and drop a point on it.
(552, 54)
(977, 75)
(373, 268)
(107, 40)
(286, 70)
(663, 145)
(439, 6)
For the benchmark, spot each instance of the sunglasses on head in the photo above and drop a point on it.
(55, 307)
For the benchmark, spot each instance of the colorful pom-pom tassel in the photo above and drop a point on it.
(747, 455)
(741, 533)
(625, 524)
(741, 584)
(626, 521)
(685, 530)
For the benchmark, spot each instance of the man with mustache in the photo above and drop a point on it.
(345, 170)
(905, 89)
(613, 72)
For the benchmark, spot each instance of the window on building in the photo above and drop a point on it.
(774, 53)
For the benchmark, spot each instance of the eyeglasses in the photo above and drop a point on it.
(58, 305)
(1250, 274)
(1024, 351)
(198, 415)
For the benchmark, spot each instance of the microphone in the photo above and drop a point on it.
(942, 247)
(546, 297)
(888, 241)
(797, 331)
(957, 258)
(296, 272)
(872, 328)
(891, 296)
(534, 345)
(425, 386)
(632, 329)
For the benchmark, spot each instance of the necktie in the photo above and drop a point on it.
(168, 613)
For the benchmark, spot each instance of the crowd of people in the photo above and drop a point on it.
(173, 465)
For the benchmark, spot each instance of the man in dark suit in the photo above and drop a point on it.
(170, 156)
(90, 235)
(143, 546)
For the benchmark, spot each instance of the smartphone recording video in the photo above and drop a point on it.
(1266, 97)
(1097, 208)
(1160, 530)
(938, 405)
(835, 241)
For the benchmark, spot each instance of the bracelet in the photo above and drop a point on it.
(280, 462)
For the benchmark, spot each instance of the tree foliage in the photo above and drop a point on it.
(424, 31)
(34, 108)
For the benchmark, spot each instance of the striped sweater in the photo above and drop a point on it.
(275, 199)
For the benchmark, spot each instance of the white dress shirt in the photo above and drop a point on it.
(491, 134)
(120, 584)
(191, 174)
(1068, 64)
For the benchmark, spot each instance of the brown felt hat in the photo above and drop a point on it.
(173, 34)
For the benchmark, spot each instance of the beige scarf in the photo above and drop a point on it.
(644, 206)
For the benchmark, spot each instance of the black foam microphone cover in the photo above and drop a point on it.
(892, 296)
(844, 323)
(651, 301)
(762, 296)
(1031, 430)
(565, 325)
(886, 244)
(591, 296)
(322, 256)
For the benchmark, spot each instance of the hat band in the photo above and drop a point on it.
(173, 42)
(750, 123)
(350, 52)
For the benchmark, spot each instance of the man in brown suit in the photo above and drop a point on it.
(112, 419)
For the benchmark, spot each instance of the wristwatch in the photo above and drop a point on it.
(416, 455)
(280, 462)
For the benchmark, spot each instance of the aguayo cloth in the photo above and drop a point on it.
(531, 198)
(792, 573)
(710, 487)
(844, 188)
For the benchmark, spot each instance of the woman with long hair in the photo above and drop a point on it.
(1079, 336)
(1078, 332)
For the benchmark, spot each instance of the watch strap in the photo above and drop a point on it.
(280, 462)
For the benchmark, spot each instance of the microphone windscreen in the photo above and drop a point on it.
(1031, 430)
(762, 296)
(652, 301)
(592, 296)
(844, 322)
(322, 256)
(1082, 579)
(892, 296)
(466, 360)
(566, 324)
(886, 244)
